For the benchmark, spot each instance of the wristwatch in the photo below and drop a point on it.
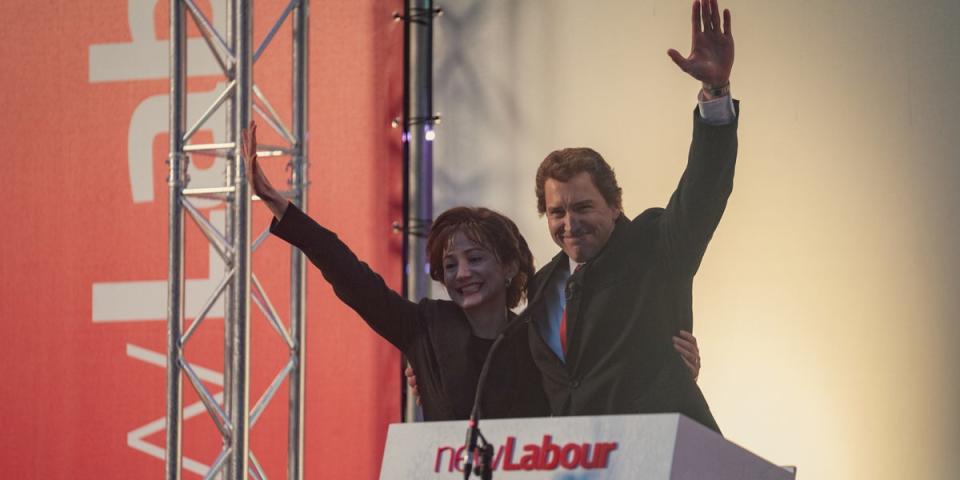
(717, 91)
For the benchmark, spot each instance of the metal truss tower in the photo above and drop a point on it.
(240, 98)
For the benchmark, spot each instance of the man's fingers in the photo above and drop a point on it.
(411, 379)
(416, 393)
(685, 349)
(705, 15)
(412, 382)
(714, 16)
(678, 59)
(697, 28)
(688, 336)
(726, 22)
(693, 369)
(683, 341)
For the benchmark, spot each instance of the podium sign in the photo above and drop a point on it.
(636, 447)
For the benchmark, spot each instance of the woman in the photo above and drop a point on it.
(484, 263)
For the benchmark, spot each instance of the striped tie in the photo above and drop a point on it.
(563, 319)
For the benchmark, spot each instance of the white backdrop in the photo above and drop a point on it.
(826, 305)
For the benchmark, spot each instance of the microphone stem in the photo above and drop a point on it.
(474, 429)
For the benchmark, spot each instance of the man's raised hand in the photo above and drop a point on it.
(711, 53)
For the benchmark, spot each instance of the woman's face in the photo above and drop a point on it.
(474, 277)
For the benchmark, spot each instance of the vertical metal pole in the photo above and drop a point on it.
(175, 238)
(418, 122)
(231, 108)
(298, 276)
(240, 220)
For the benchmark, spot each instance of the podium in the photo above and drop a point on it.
(636, 447)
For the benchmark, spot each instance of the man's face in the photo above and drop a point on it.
(579, 218)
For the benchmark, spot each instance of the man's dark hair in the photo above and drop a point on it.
(562, 165)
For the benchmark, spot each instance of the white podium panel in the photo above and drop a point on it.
(635, 447)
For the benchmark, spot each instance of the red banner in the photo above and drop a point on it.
(85, 93)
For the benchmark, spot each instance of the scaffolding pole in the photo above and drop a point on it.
(234, 416)
(418, 135)
(298, 275)
(175, 239)
(238, 309)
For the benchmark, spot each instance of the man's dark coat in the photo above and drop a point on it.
(627, 303)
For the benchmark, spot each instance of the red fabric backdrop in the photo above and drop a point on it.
(83, 391)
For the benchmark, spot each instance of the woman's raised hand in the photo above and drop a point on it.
(686, 345)
(255, 176)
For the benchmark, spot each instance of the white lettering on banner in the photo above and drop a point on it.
(151, 119)
(147, 300)
(145, 57)
(136, 438)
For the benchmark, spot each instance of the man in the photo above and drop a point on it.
(604, 310)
